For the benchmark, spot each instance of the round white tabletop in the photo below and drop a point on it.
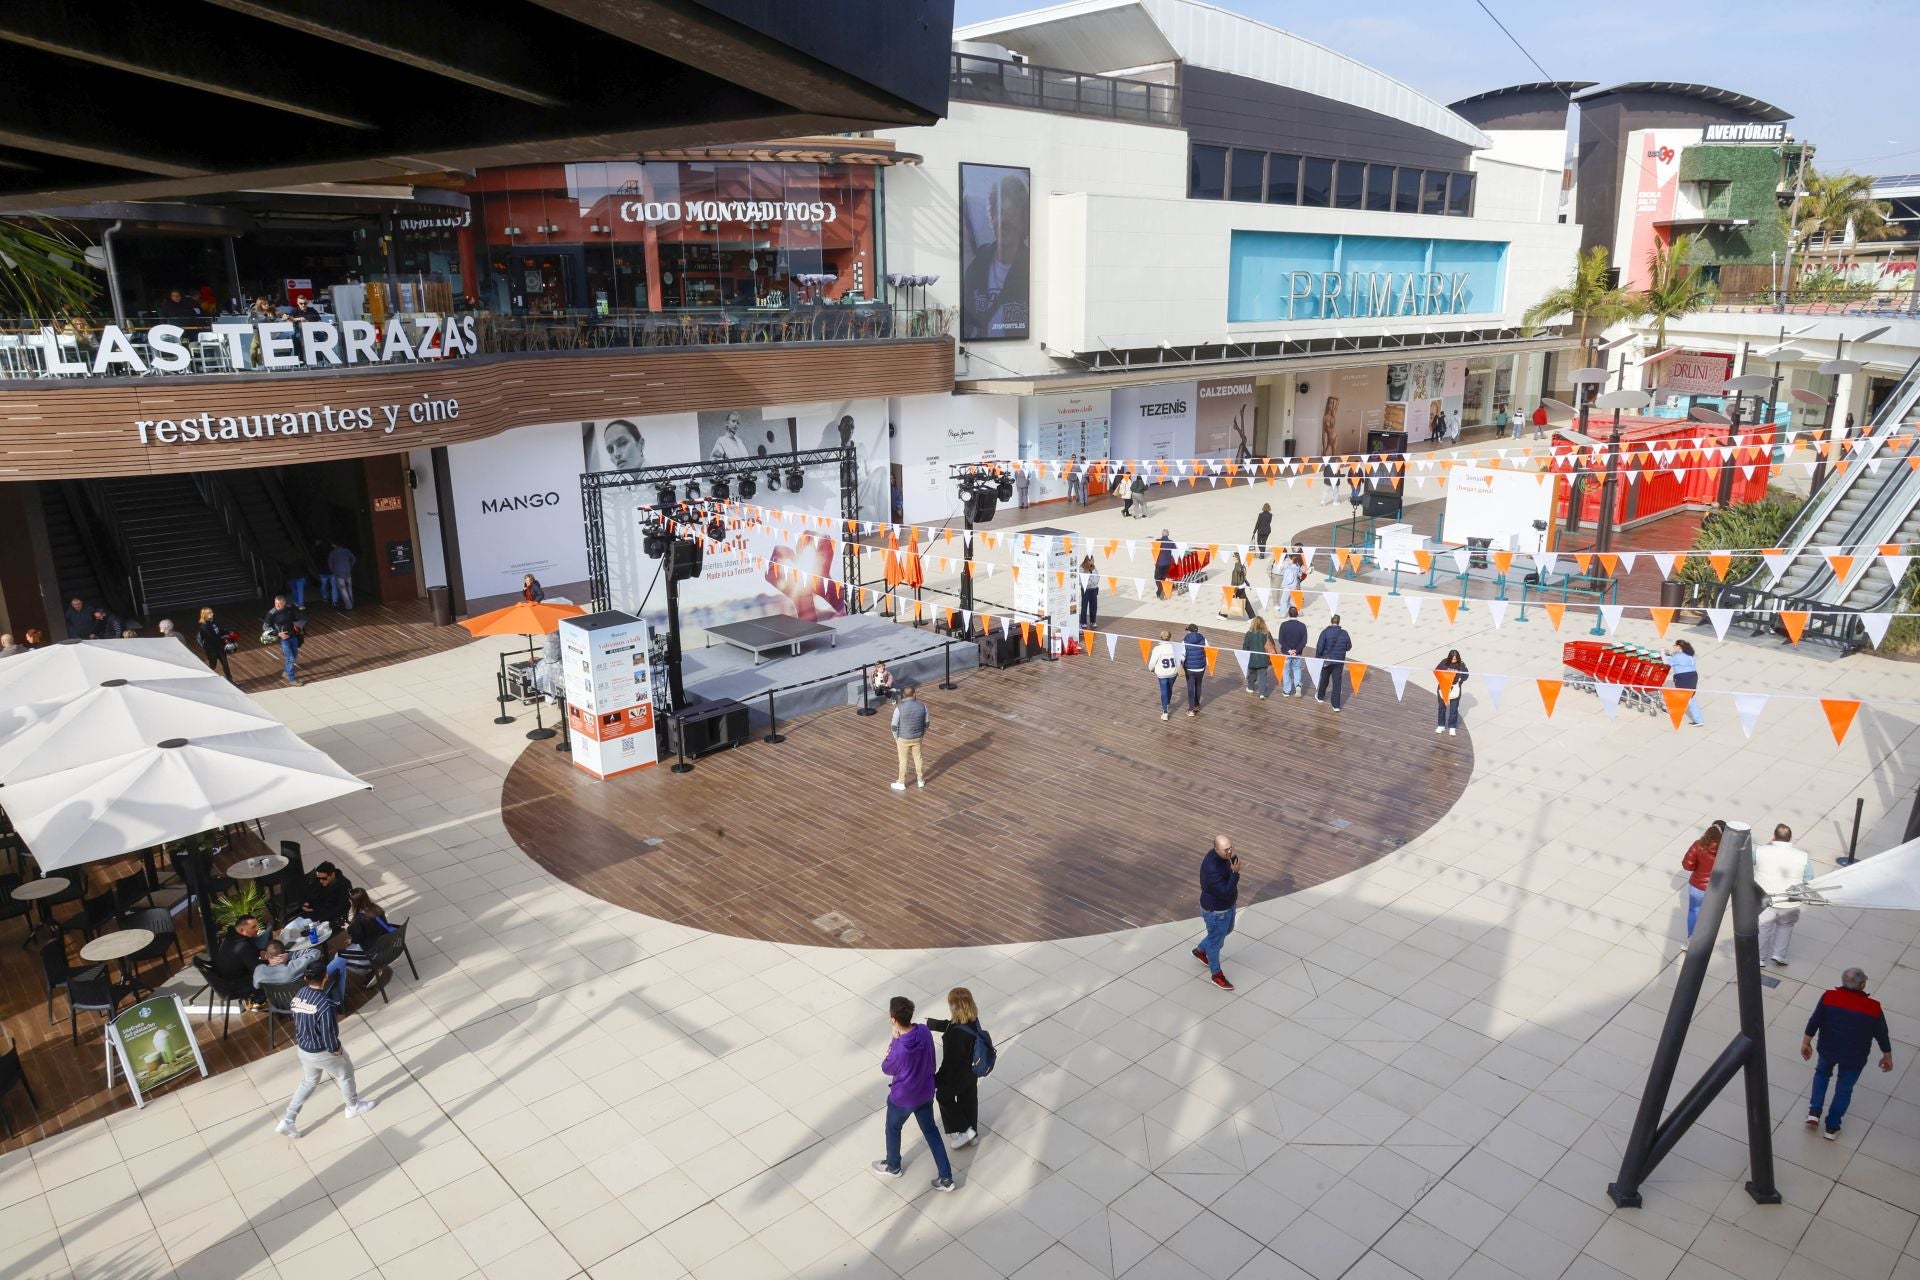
(116, 945)
(45, 887)
(271, 864)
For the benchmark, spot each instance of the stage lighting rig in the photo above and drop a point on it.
(795, 478)
(665, 498)
(748, 486)
(720, 490)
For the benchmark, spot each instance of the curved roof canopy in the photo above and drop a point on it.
(1567, 88)
(1726, 98)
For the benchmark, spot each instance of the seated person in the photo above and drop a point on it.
(882, 680)
(368, 926)
(239, 948)
(278, 965)
(327, 895)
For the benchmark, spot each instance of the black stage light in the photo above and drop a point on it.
(748, 487)
(720, 490)
(795, 478)
(1004, 489)
(693, 491)
(665, 497)
(716, 530)
(655, 543)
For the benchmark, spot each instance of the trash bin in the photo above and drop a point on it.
(441, 601)
(1673, 595)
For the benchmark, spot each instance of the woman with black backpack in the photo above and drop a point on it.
(966, 1054)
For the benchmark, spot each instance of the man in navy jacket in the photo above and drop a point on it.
(1847, 1021)
(1332, 650)
(1219, 895)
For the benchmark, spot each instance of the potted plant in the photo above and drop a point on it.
(244, 899)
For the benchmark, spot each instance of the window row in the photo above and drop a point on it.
(1274, 177)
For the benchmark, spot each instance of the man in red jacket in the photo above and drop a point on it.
(1847, 1021)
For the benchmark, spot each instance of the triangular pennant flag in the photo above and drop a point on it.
(1609, 697)
(1555, 612)
(1399, 675)
(1445, 677)
(1664, 561)
(1549, 694)
(1546, 562)
(1840, 714)
(1146, 652)
(1313, 669)
(1499, 610)
(1244, 658)
(1628, 559)
(1611, 612)
(1720, 618)
(1496, 688)
(1876, 626)
(1452, 607)
(1460, 559)
(1413, 607)
(1676, 700)
(1332, 599)
(1356, 672)
(1502, 561)
(1086, 642)
(1749, 706)
(1373, 605)
(1610, 562)
(1264, 595)
(1297, 598)
(1213, 656)
(1721, 562)
(1776, 562)
(1795, 621)
(1662, 618)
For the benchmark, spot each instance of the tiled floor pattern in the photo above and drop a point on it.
(1428, 1069)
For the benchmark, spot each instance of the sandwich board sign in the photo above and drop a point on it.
(154, 1044)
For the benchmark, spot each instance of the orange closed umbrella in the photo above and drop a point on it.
(911, 571)
(890, 571)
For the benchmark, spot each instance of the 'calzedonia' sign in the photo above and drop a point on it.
(284, 344)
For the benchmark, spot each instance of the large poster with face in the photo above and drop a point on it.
(995, 271)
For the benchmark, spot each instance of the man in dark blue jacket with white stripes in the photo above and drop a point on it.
(316, 1030)
(1847, 1021)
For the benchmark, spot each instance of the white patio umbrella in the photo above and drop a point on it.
(61, 671)
(1889, 881)
(116, 718)
(175, 788)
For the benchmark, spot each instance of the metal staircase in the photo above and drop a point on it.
(1874, 501)
(183, 551)
(83, 564)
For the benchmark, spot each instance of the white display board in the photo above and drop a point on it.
(609, 692)
(1500, 505)
(1045, 586)
(1394, 545)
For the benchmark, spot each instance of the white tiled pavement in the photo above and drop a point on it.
(1428, 1069)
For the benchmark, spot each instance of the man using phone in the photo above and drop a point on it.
(1219, 894)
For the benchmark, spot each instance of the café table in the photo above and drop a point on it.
(37, 891)
(118, 945)
(264, 867)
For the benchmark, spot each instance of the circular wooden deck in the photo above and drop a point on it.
(1057, 805)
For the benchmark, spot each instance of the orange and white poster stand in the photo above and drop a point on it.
(609, 685)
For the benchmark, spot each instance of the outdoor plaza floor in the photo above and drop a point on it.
(625, 1059)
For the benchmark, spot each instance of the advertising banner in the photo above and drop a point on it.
(1653, 173)
(609, 685)
(1498, 504)
(1223, 422)
(1046, 585)
(154, 1045)
(995, 270)
(1154, 421)
(1337, 410)
(1694, 373)
(517, 506)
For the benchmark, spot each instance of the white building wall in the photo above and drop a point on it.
(1512, 192)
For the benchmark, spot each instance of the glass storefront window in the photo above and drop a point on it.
(1380, 188)
(1316, 182)
(1247, 175)
(1349, 181)
(1283, 179)
(1207, 173)
(1433, 197)
(1406, 191)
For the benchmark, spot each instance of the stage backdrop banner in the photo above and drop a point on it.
(1223, 422)
(1500, 505)
(516, 503)
(1154, 421)
(609, 685)
(995, 272)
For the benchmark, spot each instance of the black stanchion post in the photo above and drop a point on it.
(539, 732)
(774, 736)
(680, 748)
(946, 651)
(1853, 841)
(566, 732)
(865, 709)
(500, 690)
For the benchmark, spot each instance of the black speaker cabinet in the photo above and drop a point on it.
(997, 650)
(713, 725)
(1385, 501)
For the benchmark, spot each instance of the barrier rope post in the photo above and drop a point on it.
(774, 736)
(946, 651)
(865, 709)
(680, 748)
(500, 690)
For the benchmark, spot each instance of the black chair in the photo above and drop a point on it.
(160, 923)
(74, 892)
(54, 970)
(287, 888)
(95, 914)
(11, 1074)
(92, 990)
(130, 890)
(279, 997)
(228, 989)
(387, 950)
(11, 908)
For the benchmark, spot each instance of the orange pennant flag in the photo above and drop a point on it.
(1086, 642)
(1585, 561)
(1226, 594)
(1213, 655)
(1676, 700)
(1146, 652)
(1016, 571)
(1059, 577)
(1662, 618)
(1721, 562)
(1503, 560)
(1795, 621)
(1549, 694)
(1452, 607)
(1555, 612)
(1026, 633)
(1373, 603)
(1842, 565)
(1610, 562)
(1026, 542)
(1299, 599)
(1840, 714)
(919, 610)
(1356, 672)
(1113, 545)
(949, 618)
(986, 622)
(1113, 585)
(1446, 677)
(1679, 561)
(1424, 559)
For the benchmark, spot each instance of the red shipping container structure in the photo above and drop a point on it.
(1653, 449)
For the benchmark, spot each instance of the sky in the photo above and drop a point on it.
(1858, 117)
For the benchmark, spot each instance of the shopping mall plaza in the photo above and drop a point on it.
(627, 447)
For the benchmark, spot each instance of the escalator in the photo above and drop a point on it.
(84, 565)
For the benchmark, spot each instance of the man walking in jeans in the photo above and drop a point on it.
(316, 1030)
(909, 1063)
(909, 727)
(1848, 1022)
(283, 620)
(1219, 892)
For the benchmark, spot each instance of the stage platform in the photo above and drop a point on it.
(805, 682)
(1058, 804)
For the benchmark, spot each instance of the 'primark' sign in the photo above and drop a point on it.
(1281, 276)
(1328, 295)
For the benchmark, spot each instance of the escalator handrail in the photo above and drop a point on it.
(277, 496)
(81, 513)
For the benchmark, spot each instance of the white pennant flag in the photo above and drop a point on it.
(1333, 600)
(1413, 607)
(1244, 658)
(1399, 675)
(1313, 669)
(1609, 698)
(1460, 559)
(1264, 595)
(1748, 705)
(966, 618)
(1809, 466)
(1113, 642)
(1139, 588)
(1496, 688)
(1776, 562)
(1132, 547)
(1290, 480)
(1628, 559)
(1896, 566)
(1720, 618)
(1876, 626)
(1006, 626)
(1545, 562)
(1499, 610)
(1664, 560)
(1611, 612)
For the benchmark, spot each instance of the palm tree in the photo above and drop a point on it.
(1835, 201)
(40, 274)
(1587, 295)
(1675, 287)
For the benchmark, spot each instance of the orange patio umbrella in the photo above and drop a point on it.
(522, 618)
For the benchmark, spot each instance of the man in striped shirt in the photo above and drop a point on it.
(316, 1032)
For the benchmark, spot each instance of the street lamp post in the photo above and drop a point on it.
(1629, 398)
(1835, 369)
(1586, 386)
(1747, 384)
